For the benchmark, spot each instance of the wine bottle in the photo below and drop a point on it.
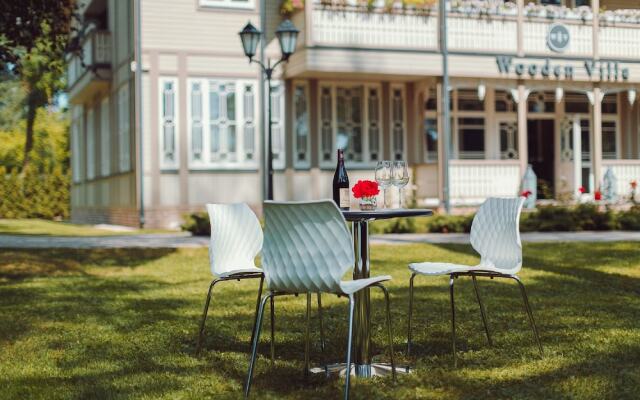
(341, 184)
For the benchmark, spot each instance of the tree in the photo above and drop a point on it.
(33, 41)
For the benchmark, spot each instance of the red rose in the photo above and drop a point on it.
(526, 194)
(597, 195)
(581, 189)
(634, 184)
(365, 189)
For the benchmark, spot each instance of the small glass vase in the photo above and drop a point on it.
(368, 203)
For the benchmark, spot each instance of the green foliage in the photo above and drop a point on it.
(41, 190)
(34, 194)
(583, 217)
(197, 223)
(630, 220)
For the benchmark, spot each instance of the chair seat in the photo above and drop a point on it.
(240, 271)
(440, 268)
(350, 287)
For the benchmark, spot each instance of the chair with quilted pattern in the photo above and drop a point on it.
(308, 249)
(236, 240)
(495, 235)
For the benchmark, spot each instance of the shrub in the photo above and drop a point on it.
(197, 223)
(630, 220)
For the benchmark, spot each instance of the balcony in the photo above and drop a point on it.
(490, 30)
(93, 70)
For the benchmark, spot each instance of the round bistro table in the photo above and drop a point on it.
(363, 366)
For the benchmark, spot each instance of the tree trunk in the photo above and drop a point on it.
(32, 107)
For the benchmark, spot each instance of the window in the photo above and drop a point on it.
(222, 123)
(504, 102)
(168, 123)
(610, 104)
(508, 140)
(431, 139)
(471, 138)
(468, 100)
(277, 124)
(105, 138)
(576, 103)
(609, 140)
(541, 102)
(227, 3)
(91, 144)
(301, 126)
(397, 122)
(468, 124)
(76, 143)
(353, 125)
(431, 103)
(124, 137)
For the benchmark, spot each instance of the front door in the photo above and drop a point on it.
(541, 146)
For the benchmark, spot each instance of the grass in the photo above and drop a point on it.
(116, 324)
(43, 227)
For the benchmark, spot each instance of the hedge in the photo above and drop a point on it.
(582, 217)
(34, 194)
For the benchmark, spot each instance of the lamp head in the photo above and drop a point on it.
(287, 35)
(250, 37)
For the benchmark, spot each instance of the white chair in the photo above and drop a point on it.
(495, 235)
(236, 240)
(308, 249)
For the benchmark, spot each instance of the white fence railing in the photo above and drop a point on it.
(473, 181)
(472, 33)
(354, 26)
(625, 171)
(358, 28)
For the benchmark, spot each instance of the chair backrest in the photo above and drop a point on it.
(307, 246)
(495, 234)
(236, 237)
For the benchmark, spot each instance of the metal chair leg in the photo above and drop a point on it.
(482, 310)
(410, 314)
(204, 316)
(349, 343)
(255, 318)
(273, 336)
(389, 333)
(323, 343)
(306, 335)
(527, 308)
(453, 321)
(254, 347)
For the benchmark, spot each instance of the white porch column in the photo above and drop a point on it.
(596, 147)
(523, 154)
(577, 155)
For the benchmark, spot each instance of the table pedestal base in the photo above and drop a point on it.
(360, 370)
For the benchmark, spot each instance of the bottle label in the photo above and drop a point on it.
(344, 198)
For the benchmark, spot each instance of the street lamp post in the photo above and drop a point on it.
(287, 35)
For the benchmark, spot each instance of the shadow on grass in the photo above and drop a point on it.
(132, 333)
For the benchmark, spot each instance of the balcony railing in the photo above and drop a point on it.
(625, 171)
(494, 30)
(96, 56)
(472, 181)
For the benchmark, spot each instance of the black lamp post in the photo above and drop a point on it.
(287, 36)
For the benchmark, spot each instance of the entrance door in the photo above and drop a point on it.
(541, 147)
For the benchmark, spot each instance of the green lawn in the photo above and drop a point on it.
(115, 324)
(43, 227)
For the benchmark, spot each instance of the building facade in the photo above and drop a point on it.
(531, 84)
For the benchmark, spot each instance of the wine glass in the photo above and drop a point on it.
(399, 177)
(383, 177)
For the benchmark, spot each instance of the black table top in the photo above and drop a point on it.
(357, 215)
